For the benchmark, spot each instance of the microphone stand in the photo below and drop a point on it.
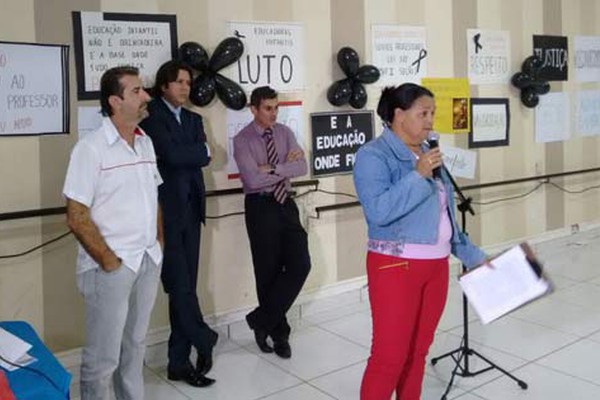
(462, 353)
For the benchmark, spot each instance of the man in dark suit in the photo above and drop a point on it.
(181, 150)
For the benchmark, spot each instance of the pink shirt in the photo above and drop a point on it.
(250, 152)
(421, 251)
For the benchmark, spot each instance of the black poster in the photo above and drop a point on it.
(336, 137)
(554, 52)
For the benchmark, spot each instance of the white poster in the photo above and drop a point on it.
(588, 112)
(89, 119)
(106, 40)
(460, 162)
(400, 53)
(273, 55)
(587, 58)
(490, 122)
(552, 118)
(290, 114)
(488, 55)
(34, 89)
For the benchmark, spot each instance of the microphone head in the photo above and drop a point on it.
(433, 139)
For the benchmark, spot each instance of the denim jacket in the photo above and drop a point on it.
(399, 204)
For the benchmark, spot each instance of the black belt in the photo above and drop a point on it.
(269, 194)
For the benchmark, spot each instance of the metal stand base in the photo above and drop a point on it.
(461, 354)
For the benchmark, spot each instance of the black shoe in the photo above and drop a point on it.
(261, 340)
(282, 348)
(191, 377)
(204, 364)
(260, 336)
(214, 337)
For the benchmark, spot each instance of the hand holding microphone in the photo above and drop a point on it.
(433, 139)
(430, 163)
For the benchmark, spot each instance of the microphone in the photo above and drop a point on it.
(433, 140)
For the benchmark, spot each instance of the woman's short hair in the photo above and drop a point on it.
(402, 97)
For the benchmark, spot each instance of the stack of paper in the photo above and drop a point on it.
(14, 350)
(512, 279)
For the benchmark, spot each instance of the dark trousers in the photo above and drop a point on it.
(180, 277)
(279, 246)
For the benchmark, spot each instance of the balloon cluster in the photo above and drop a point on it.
(351, 89)
(208, 81)
(529, 82)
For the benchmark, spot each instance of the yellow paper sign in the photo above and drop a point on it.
(452, 97)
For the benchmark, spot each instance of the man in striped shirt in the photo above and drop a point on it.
(267, 156)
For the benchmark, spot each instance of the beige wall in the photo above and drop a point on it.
(40, 287)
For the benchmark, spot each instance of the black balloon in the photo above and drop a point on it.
(367, 74)
(339, 92)
(531, 66)
(540, 87)
(194, 55)
(203, 90)
(529, 97)
(230, 93)
(226, 53)
(347, 59)
(359, 95)
(521, 80)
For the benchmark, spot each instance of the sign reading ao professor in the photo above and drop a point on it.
(336, 137)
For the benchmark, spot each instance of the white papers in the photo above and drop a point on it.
(587, 67)
(13, 349)
(89, 120)
(400, 53)
(588, 113)
(274, 55)
(459, 162)
(552, 118)
(489, 56)
(508, 284)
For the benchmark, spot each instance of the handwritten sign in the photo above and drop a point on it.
(489, 56)
(106, 40)
(588, 112)
(587, 58)
(89, 120)
(400, 53)
(273, 55)
(552, 118)
(290, 114)
(34, 89)
(336, 137)
(490, 122)
(459, 162)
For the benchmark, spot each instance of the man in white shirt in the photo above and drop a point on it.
(111, 190)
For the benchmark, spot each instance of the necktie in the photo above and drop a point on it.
(280, 192)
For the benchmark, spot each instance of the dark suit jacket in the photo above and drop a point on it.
(181, 153)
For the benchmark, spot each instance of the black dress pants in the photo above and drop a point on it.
(279, 246)
(180, 277)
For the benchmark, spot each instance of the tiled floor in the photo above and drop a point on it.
(552, 344)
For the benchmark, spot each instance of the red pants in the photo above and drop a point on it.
(407, 299)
